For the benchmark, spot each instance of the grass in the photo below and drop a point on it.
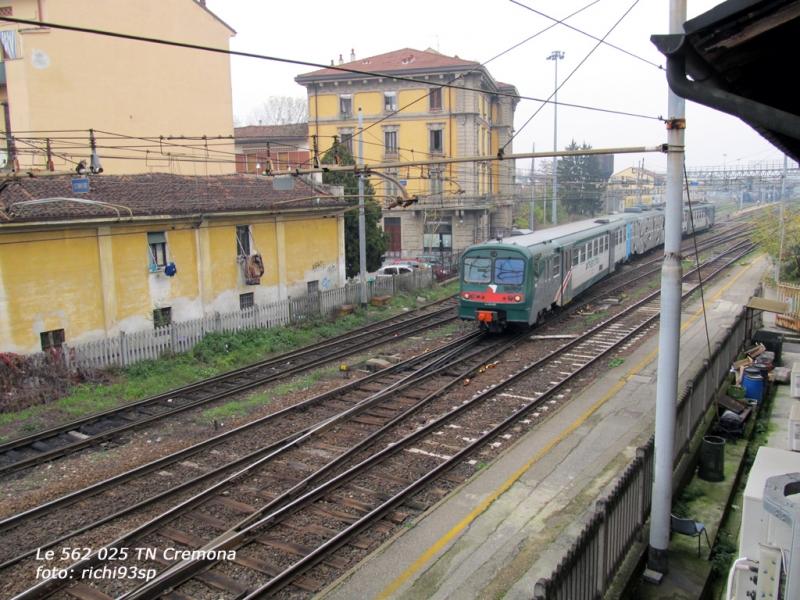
(217, 353)
(615, 362)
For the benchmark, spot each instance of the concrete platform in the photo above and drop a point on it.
(510, 524)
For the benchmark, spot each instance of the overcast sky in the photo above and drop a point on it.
(318, 31)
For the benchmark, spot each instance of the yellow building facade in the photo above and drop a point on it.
(75, 272)
(634, 186)
(419, 118)
(57, 85)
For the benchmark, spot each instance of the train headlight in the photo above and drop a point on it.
(517, 299)
(465, 295)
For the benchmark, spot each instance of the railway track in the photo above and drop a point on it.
(109, 425)
(353, 501)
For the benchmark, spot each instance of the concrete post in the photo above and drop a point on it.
(669, 333)
(362, 226)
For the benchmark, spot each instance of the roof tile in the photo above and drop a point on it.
(156, 194)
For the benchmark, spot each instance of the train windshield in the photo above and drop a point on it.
(509, 270)
(478, 270)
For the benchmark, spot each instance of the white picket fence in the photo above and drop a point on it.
(127, 349)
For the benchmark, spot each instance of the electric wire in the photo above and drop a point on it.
(627, 12)
(464, 75)
(540, 13)
(282, 60)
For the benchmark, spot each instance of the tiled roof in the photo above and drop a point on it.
(157, 194)
(295, 130)
(406, 59)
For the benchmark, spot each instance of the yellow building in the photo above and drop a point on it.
(420, 119)
(78, 267)
(634, 186)
(57, 85)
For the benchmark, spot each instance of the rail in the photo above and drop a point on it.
(590, 564)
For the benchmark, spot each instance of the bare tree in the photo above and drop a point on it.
(280, 110)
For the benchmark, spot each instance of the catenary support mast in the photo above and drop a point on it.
(670, 328)
(362, 234)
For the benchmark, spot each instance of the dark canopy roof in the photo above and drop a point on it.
(739, 55)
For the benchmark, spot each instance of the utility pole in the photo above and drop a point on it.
(783, 227)
(362, 226)
(555, 57)
(532, 183)
(11, 146)
(670, 329)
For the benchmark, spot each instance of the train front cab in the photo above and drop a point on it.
(497, 287)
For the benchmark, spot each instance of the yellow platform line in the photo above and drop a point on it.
(457, 529)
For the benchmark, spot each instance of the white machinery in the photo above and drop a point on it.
(769, 544)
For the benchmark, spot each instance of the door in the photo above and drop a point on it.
(391, 225)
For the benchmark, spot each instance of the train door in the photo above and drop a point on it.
(628, 229)
(564, 293)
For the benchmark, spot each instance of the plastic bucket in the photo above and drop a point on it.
(764, 369)
(753, 384)
(711, 466)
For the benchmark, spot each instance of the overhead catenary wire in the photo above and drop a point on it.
(575, 70)
(463, 75)
(610, 45)
(358, 72)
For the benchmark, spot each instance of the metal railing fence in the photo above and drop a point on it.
(592, 561)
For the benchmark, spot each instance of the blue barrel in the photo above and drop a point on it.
(753, 384)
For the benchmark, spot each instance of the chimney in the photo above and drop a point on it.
(203, 2)
(352, 55)
(332, 62)
(341, 60)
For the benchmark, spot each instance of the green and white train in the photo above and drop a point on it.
(517, 280)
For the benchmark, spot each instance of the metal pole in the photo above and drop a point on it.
(555, 143)
(362, 226)
(669, 333)
(11, 146)
(783, 230)
(532, 183)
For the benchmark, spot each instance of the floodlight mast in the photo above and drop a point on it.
(555, 57)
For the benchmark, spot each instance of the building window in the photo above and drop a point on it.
(346, 137)
(52, 339)
(390, 143)
(438, 234)
(346, 105)
(436, 100)
(6, 11)
(389, 101)
(246, 300)
(435, 186)
(313, 287)
(437, 141)
(243, 240)
(162, 317)
(157, 243)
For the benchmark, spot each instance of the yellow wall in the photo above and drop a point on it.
(412, 123)
(317, 260)
(48, 281)
(95, 282)
(123, 86)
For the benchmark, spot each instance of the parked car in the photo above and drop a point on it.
(407, 262)
(393, 270)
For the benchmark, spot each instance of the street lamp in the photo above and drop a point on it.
(555, 57)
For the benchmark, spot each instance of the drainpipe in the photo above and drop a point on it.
(678, 50)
